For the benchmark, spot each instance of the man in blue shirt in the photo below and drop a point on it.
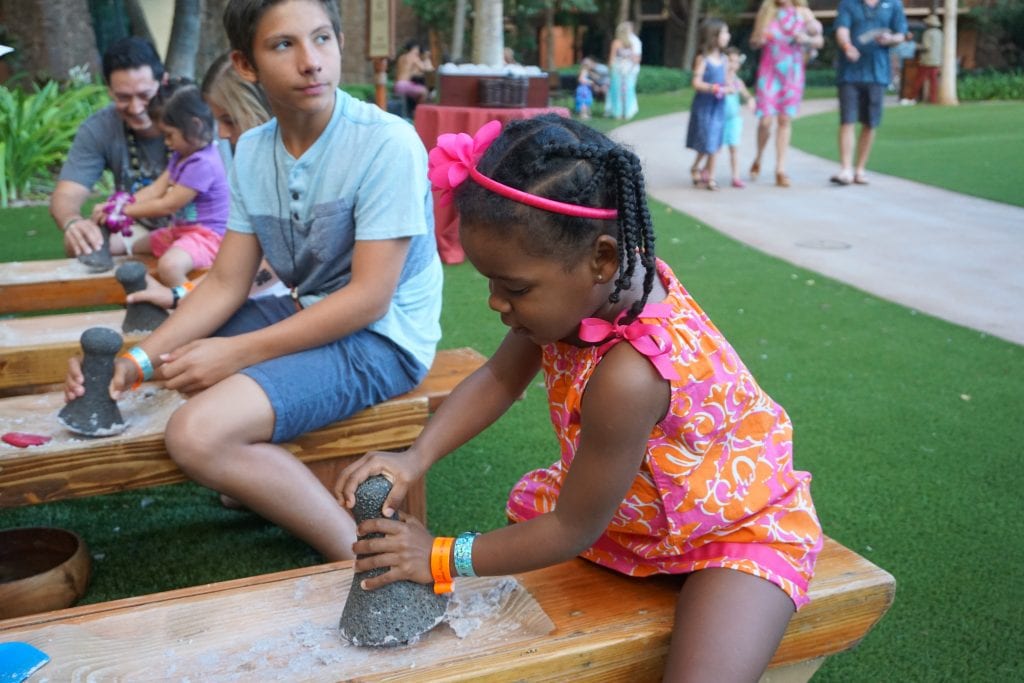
(865, 30)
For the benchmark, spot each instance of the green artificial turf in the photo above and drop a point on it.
(976, 148)
(908, 424)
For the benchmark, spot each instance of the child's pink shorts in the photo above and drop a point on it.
(197, 241)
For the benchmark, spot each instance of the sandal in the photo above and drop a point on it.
(781, 179)
(697, 176)
(755, 170)
(841, 178)
(710, 184)
(738, 184)
(860, 179)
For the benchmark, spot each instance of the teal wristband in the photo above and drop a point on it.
(142, 359)
(463, 553)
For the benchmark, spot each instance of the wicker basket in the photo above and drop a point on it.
(503, 92)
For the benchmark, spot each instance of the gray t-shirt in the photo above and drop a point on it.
(102, 143)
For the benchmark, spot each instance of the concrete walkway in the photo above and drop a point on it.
(952, 256)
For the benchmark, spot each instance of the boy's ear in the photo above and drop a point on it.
(243, 66)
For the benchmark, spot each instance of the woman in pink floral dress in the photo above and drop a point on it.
(782, 30)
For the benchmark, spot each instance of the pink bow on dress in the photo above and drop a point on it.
(650, 340)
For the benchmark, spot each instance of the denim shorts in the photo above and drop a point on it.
(861, 102)
(316, 387)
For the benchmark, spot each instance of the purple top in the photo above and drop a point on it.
(202, 171)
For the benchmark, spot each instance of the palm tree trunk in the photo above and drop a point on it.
(692, 22)
(458, 31)
(947, 82)
(488, 39)
(50, 42)
(184, 43)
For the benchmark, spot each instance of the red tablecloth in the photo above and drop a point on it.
(433, 120)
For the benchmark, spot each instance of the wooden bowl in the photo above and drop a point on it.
(41, 569)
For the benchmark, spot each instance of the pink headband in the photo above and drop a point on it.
(455, 159)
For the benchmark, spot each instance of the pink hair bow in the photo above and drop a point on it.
(455, 154)
(650, 340)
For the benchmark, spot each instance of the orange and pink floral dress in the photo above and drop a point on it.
(717, 486)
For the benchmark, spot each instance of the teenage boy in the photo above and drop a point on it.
(121, 137)
(865, 31)
(334, 192)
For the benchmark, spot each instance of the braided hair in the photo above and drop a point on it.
(561, 159)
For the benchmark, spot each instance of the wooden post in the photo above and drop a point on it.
(380, 82)
(380, 43)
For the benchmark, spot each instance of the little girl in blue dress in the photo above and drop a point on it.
(707, 113)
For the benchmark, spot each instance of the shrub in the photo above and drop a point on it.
(990, 85)
(367, 92)
(820, 78)
(36, 131)
(655, 79)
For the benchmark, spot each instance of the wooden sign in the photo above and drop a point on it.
(380, 28)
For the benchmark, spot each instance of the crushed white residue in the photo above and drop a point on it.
(468, 608)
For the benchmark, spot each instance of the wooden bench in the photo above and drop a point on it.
(70, 467)
(34, 351)
(600, 626)
(27, 286)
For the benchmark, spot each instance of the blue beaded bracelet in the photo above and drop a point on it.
(463, 553)
(142, 358)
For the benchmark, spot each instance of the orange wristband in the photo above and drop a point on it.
(138, 369)
(441, 564)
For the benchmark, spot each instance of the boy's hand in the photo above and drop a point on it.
(401, 469)
(405, 548)
(125, 375)
(852, 53)
(201, 363)
(74, 382)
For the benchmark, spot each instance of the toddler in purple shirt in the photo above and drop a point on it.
(193, 190)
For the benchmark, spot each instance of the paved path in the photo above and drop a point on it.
(956, 257)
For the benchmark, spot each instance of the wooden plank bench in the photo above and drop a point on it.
(605, 627)
(34, 351)
(70, 467)
(27, 286)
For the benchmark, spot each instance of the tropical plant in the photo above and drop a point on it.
(989, 84)
(37, 128)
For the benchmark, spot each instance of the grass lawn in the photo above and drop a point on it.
(976, 148)
(909, 425)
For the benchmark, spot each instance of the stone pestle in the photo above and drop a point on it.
(142, 317)
(100, 260)
(397, 613)
(95, 413)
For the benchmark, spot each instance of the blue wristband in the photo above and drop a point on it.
(142, 358)
(463, 553)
